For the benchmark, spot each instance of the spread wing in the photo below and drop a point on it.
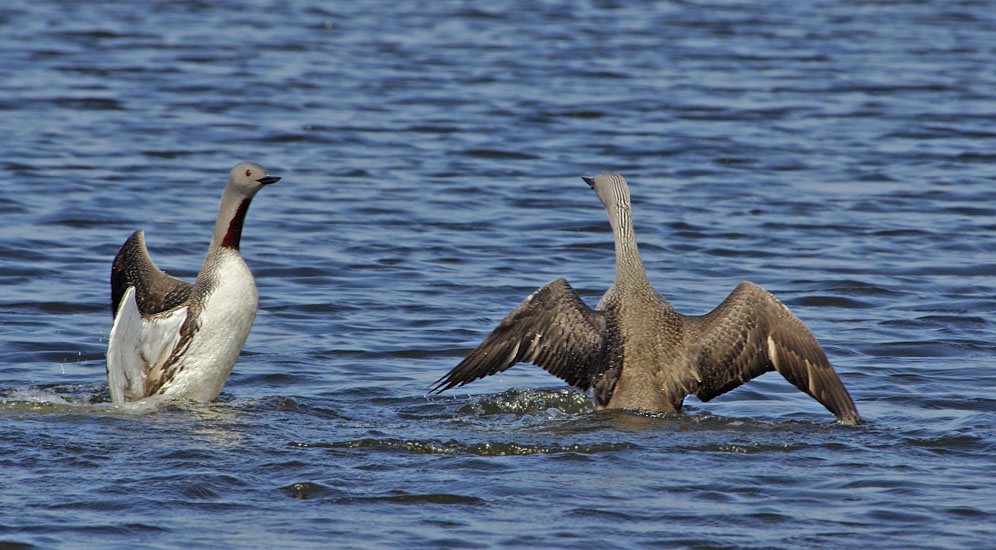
(752, 333)
(155, 291)
(553, 329)
(139, 348)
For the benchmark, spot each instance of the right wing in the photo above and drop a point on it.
(155, 291)
(752, 333)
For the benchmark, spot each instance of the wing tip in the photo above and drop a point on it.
(135, 240)
(849, 417)
(439, 386)
(457, 376)
(846, 411)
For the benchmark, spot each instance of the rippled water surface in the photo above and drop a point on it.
(840, 154)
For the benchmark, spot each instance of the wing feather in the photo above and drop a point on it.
(752, 333)
(553, 329)
(138, 348)
(155, 290)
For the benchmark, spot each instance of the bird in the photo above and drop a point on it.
(636, 352)
(179, 339)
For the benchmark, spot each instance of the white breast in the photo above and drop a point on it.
(224, 321)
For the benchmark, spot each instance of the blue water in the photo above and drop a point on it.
(840, 154)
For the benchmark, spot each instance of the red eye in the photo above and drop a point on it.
(248, 173)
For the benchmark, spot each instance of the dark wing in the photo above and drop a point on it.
(155, 291)
(752, 333)
(552, 329)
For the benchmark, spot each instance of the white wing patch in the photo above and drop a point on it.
(137, 345)
(531, 353)
(515, 351)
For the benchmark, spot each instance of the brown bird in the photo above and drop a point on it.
(637, 352)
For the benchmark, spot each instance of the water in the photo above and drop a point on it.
(840, 154)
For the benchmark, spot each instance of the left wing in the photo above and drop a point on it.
(552, 328)
(139, 347)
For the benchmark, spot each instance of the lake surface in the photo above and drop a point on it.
(840, 154)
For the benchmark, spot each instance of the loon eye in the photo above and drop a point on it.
(248, 173)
